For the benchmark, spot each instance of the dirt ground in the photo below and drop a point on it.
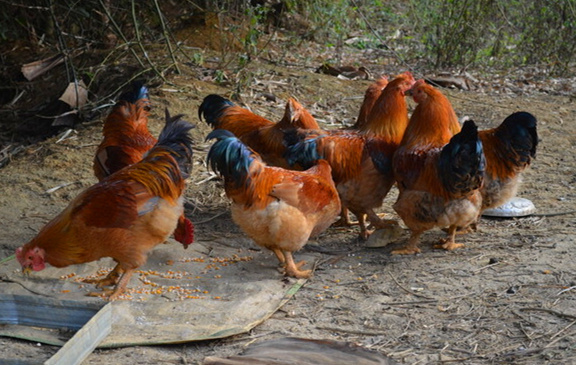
(509, 296)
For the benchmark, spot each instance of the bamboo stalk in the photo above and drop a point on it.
(166, 36)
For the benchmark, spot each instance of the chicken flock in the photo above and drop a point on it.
(287, 181)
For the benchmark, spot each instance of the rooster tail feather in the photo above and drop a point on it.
(212, 108)
(229, 157)
(138, 91)
(176, 137)
(462, 162)
(291, 136)
(303, 152)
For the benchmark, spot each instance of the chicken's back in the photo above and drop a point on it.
(126, 136)
(221, 113)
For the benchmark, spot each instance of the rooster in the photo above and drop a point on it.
(124, 216)
(439, 174)
(261, 135)
(127, 139)
(361, 161)
(279, 209)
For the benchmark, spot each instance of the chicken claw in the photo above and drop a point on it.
(448, 245)
(411, 247)
(344, 220)
(102, 294)
(123, 277)
(110, 279)
(406, 251)
(293, 269)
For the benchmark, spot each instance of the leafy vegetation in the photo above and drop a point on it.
(439, 33)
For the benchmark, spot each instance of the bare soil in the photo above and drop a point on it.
(509, 296)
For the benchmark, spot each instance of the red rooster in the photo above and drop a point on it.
(439, 174)
(126, 140)
(124, 216)
(279, 209)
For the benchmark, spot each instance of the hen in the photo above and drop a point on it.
(372, 94)
(279, 209)
(126, 140)
(439, 174)
(361, 161)
(509, 150)
(261, 135)
(124, 216)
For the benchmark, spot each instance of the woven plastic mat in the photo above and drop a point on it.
(208, 291)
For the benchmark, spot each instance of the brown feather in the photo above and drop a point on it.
(126, 138)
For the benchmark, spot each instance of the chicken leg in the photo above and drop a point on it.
(412, 245)
(280, 256)
(121, 286)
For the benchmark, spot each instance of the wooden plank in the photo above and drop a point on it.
(85, 340)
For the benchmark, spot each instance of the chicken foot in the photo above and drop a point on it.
(449, 243)
(293, 269)
(344, 220)
(121, 286)
(122, 278)
(364, 232)
(110, 279)
(411, 247)
(375, 221)
(472, 227)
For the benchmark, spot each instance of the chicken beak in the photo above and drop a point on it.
(408, 92)
(26, 270)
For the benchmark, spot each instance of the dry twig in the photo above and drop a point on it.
(551, 311)
(408, 290)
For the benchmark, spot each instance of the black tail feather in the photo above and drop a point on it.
(229, 157)
(138, 91)
(176, 137)
(462, 162)
(303, 151)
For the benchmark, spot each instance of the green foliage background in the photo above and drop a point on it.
(438, 33)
